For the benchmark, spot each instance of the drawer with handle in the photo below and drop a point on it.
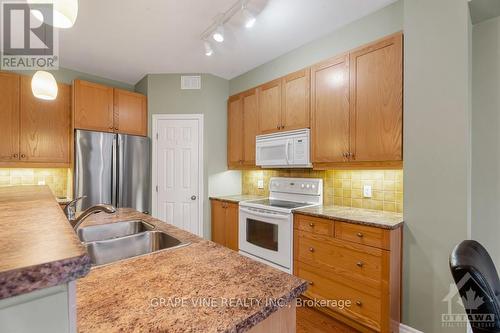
(344, 261)
(314, 225)
(364, 308)
(362, 234)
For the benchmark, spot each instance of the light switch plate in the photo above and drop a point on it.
(260, 183)
(367, 191)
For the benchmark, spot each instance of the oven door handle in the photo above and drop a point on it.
(257, 213)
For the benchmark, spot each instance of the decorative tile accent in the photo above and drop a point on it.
(55, 178)
(341, 187)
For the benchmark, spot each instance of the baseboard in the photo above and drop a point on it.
(407, 329)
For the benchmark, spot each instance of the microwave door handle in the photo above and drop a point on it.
(256, 213)
(286, 151)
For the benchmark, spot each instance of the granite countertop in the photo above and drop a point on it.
(237, 198)
(38, 247)
(374, 218)
(164, 291)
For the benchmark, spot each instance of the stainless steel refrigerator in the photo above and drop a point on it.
(112, 169)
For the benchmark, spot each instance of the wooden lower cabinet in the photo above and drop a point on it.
(225, 223)
(346, 262)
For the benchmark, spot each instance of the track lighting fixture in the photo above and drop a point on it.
(218, 35)
(216, 30)
(249, 18)
(208, 49)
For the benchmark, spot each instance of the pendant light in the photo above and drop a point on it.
(44, 86)
(65, 12)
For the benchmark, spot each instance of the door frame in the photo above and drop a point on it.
(154, 134)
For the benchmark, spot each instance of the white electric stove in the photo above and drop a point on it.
(266, 225)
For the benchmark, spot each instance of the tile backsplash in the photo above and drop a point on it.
(341, 187)
(55, 178)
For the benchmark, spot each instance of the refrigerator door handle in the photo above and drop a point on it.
(114, 176)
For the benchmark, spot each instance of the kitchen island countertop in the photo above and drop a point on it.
(202, 287)
(38, 245)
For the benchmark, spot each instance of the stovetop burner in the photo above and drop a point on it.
(280, 203)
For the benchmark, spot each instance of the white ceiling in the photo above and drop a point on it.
(126, 39)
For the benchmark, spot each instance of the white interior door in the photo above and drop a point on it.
(178, 173)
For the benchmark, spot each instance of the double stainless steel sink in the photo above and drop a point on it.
(111, 242)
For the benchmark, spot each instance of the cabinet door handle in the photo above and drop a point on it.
(311, 225)
(360, 235)
(15, 155)
(359, 264)
(23, 156)
(359, 303)
(116, 128)
(278, 127)
(311, 283)
(311, 249)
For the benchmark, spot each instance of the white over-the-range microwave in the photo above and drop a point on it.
(284, 150)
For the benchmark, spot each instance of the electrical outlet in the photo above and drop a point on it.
(41, 182)
(367, 191)
(260, 183)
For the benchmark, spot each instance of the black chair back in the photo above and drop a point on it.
(477, 281)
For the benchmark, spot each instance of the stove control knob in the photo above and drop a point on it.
(313, 186)
(308, 185)
(302, 186)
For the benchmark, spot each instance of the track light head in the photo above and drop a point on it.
(208, 49)
(249, 18)
(218, 34)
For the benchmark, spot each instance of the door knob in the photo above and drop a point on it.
(193, 197)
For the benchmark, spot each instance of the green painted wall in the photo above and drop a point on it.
(379, 24)
(437, 155)
(486, 136)
(165, 96)
(65, 75)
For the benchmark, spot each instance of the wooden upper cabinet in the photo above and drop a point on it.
(9, 117)
(235, 131)
(330, 110)
(45, 126)
(93, 106)
(295, 105)
(130, 113)
(376, 101)
(250, 126)
(270, 107)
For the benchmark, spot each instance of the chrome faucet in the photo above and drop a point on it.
(75, 223)
(70, 208)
